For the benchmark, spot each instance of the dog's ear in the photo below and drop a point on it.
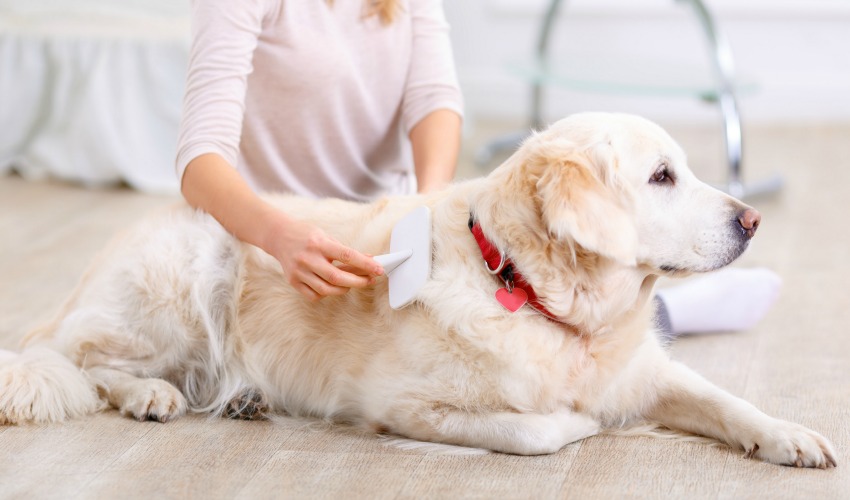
(583, 200)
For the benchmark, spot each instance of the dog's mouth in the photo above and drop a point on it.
(719, 261)
(674, 270)
(714, 251)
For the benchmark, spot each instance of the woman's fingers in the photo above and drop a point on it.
(308, 255)
(339, 277)
(354, 270)
(312, 286)
(321, 278)
(358, 262)
(322, 288)
(307, 292)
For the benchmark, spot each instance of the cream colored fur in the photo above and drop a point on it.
(177, 315)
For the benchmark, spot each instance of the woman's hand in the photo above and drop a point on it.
(306, 253)
(308, 256)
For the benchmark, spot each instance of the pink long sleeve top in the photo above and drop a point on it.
(312, 97)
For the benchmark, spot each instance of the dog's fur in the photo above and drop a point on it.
(178, 315)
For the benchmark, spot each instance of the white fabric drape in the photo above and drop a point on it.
(91, 95)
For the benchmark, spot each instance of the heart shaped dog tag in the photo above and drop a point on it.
(511, 300)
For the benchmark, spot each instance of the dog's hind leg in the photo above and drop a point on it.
(42, 385)
(250, 404)
(507, 432)
(142, 398)
(686, 401)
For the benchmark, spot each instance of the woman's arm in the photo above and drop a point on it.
(436, 143)
(432, 105)
(224, 37)
(304, 251)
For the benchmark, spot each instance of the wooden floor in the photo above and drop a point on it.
(794, 365)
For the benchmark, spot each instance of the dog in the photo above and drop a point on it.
(535, 329)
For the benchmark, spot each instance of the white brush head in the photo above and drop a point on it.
(410, 253)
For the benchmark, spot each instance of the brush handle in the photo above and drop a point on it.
(390, 261)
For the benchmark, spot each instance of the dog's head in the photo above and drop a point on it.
(619, 186)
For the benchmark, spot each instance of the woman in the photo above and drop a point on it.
(324, 98)
(313, 98)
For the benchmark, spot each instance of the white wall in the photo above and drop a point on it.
(796, 51)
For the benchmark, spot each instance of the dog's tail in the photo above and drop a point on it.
(41, 385)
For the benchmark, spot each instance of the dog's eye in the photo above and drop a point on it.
(661, 176)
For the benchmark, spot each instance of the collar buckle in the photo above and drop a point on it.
(500, 267)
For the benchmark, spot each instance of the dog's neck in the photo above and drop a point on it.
(587, 308)
(501, 266)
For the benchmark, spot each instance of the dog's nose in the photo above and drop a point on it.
(749, 220)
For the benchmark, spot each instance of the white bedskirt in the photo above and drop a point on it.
(91, 91)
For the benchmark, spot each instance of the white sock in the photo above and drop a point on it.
(727, 300)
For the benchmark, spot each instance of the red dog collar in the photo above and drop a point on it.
(498, 264)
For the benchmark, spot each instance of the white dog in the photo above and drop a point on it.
(177, 314)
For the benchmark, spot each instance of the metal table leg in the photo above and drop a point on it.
(732, 133)
(511, 141)
(724, 70)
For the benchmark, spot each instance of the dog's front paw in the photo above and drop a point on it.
(154, 399)
(786, 443)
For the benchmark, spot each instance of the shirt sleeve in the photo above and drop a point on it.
(432, 80)
(224, 36)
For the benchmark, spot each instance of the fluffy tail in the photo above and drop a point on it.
(41, 385)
